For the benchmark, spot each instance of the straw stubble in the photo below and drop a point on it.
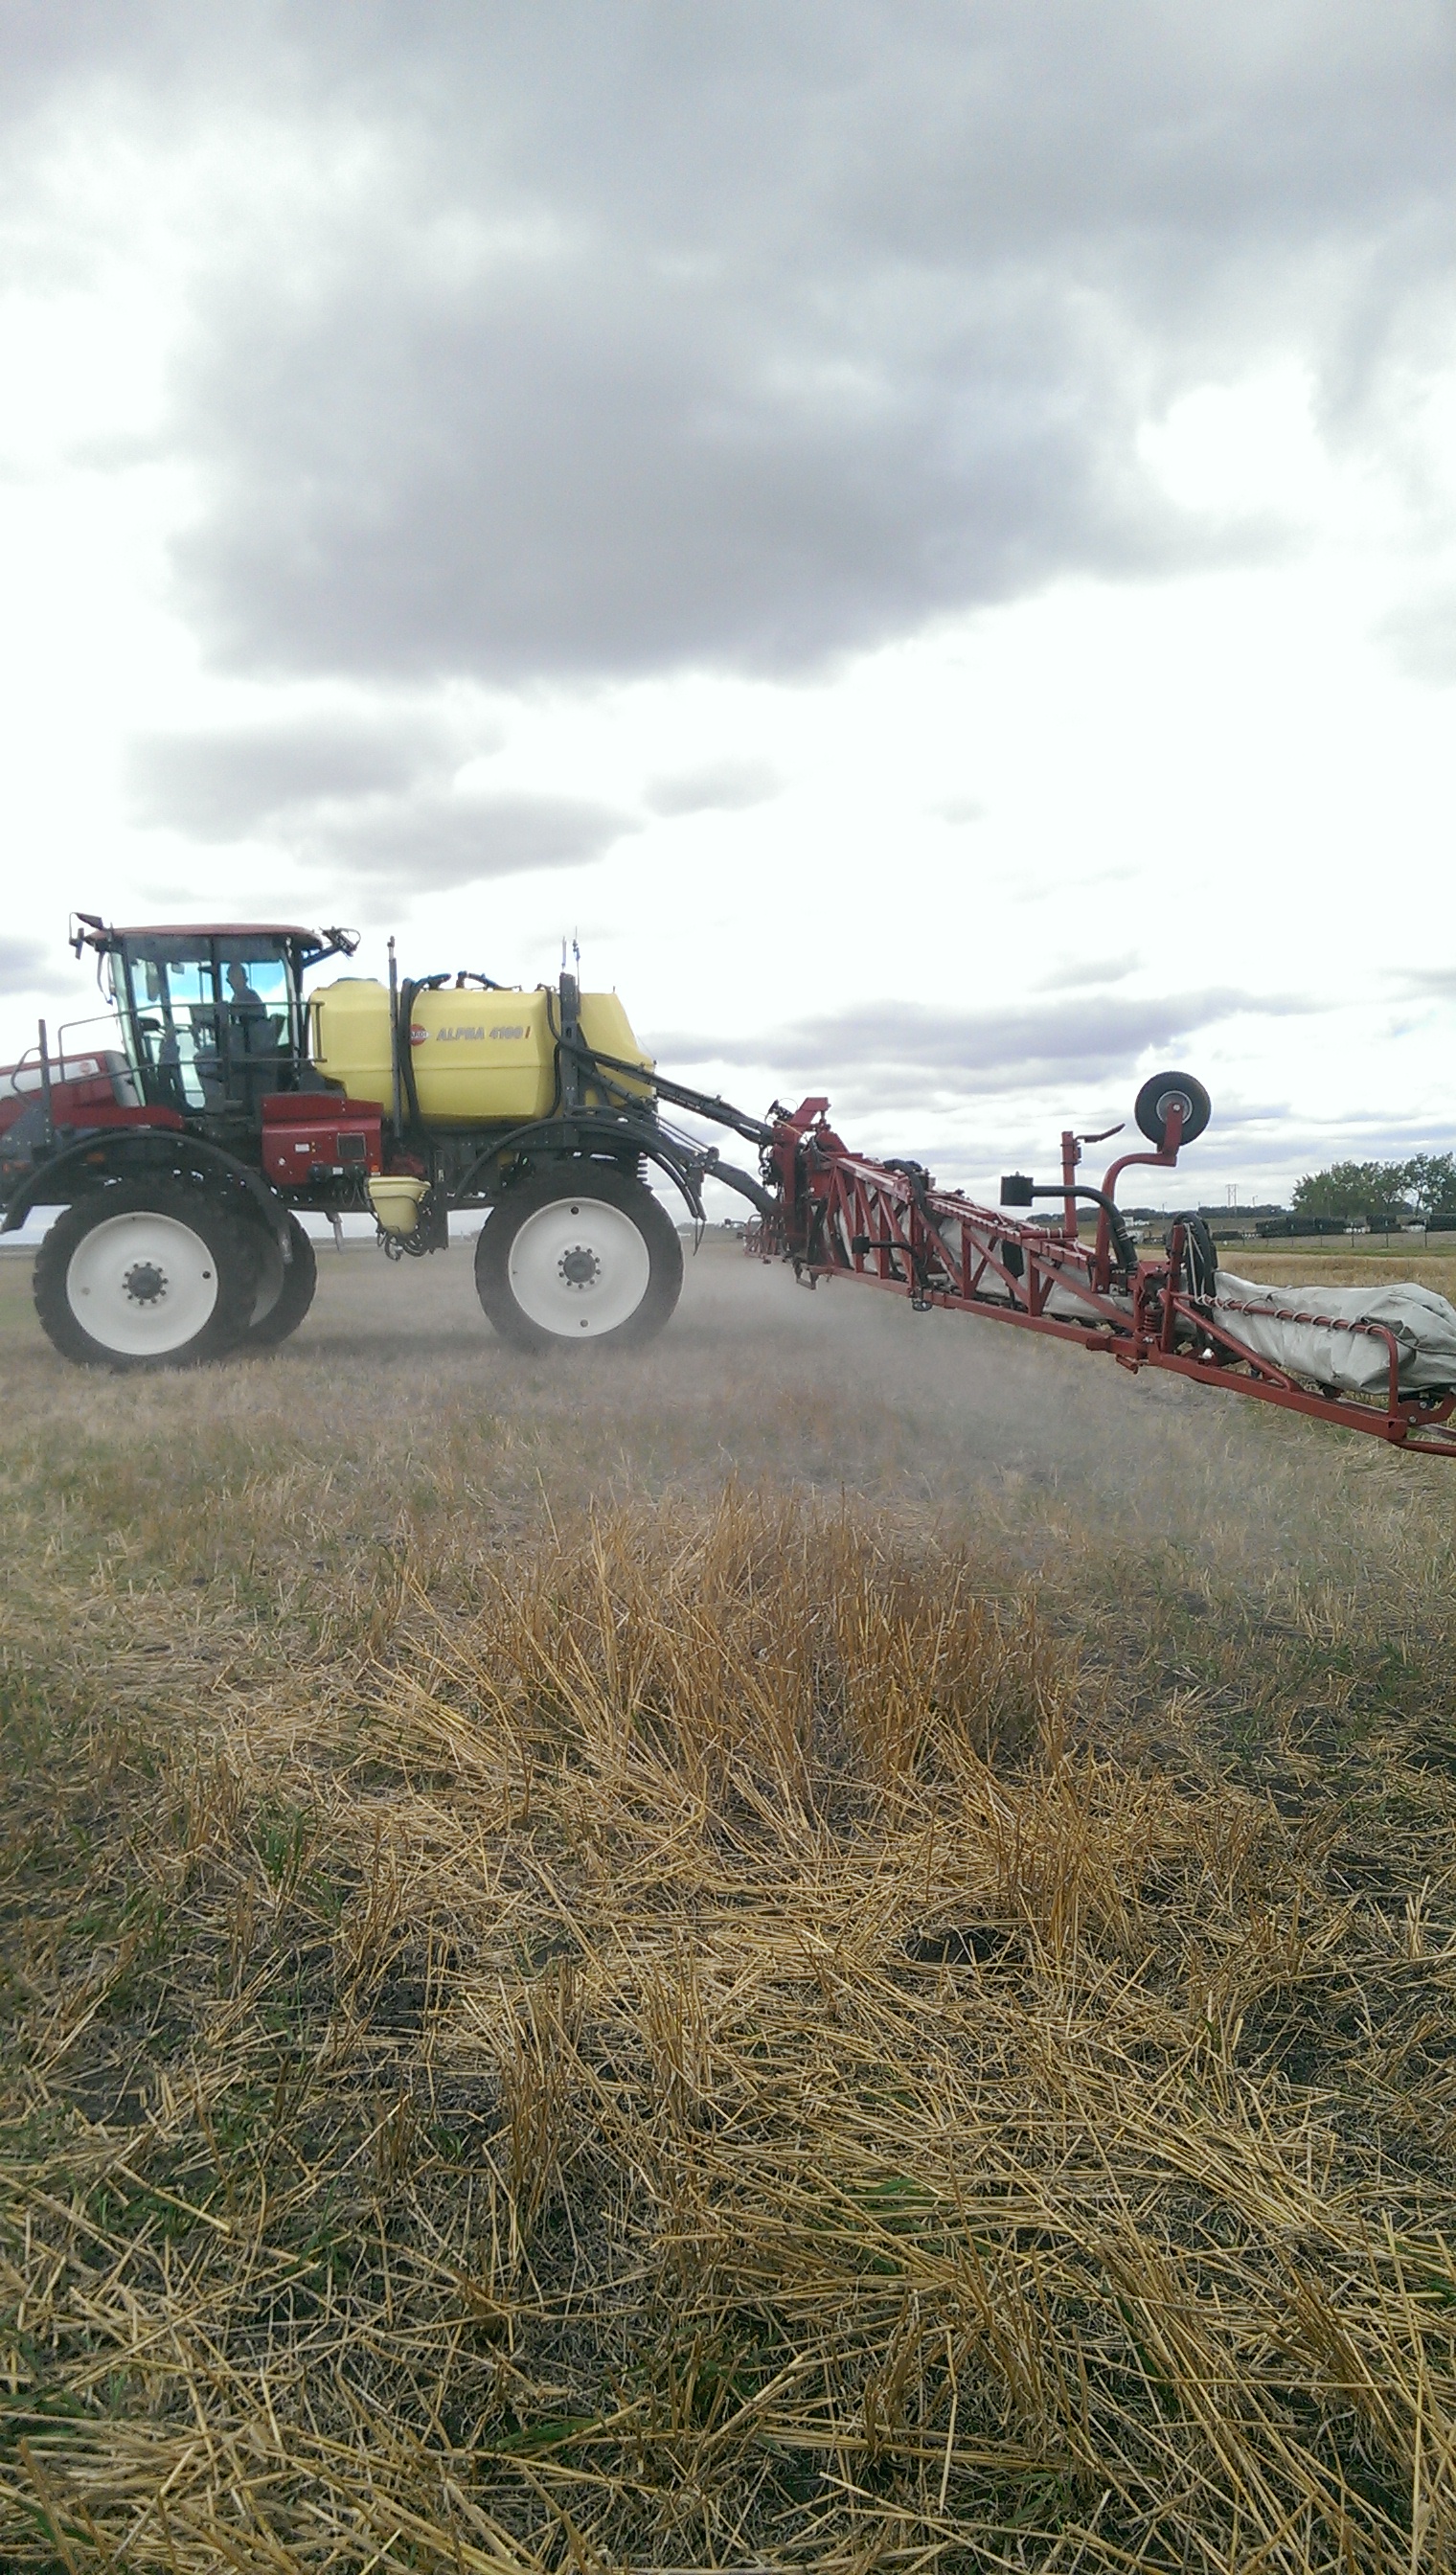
(766, 2028)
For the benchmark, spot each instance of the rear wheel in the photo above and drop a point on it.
(144, 1274)
(285, 1288)
(596, 1261)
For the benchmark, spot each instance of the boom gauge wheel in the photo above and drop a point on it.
(600, 1262)
(144, 1276)
(1156, 1099)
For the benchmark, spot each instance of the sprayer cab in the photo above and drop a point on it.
(212, 1014)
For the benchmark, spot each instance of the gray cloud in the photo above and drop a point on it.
(906, 1051)
(1095, 970)
(583, 479)
(437, 840)
(719, 787)
(221, 785)
(24, 966)
(1439, 982)
(320, 787)
(748, 337)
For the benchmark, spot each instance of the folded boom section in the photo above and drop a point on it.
(1381, 1360)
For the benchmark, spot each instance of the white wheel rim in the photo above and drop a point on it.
(578, 1267)
(142, 1285)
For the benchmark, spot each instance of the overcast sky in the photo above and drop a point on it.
(923, 534)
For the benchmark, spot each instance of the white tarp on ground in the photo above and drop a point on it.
(1423, 1324)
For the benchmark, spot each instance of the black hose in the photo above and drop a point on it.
(720, 1112)
(405, 1040)
(920, 1181)
(764, 1200)
(1199, 1254)
(1123, 1242)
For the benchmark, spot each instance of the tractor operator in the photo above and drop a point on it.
(243, 1002)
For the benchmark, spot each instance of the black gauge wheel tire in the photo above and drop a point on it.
(285, 1289)
(568, 1259)
(1200, 1256)
(1157, 1098)
(145, 1275)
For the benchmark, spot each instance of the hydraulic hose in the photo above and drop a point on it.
(405, 1040)
(1123, 1242)
(702, 1104)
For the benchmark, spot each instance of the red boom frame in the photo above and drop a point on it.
(842, 1215)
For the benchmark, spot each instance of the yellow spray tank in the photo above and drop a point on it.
(478, 1057)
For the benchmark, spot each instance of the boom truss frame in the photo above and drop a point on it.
(843, 1214)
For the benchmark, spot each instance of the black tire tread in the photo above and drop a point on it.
(1145, 1107)
(294, 1296)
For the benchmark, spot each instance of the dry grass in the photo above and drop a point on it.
(834, 1947)
(1402, 1258)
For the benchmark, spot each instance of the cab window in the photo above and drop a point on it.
(214, 1019)
(255, 989)
(175, 1013)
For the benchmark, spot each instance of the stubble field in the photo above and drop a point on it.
(831, 1945)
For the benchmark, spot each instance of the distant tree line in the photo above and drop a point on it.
(1380, 1193)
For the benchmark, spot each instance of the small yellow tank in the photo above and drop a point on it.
(607, 1028)
(349, 1036)
(478, 1059)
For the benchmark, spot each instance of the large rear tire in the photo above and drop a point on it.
(285, 1289)
(586, 1257)
(144, 1274)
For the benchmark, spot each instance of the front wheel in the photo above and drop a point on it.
(592, 1257)
(144, 1274)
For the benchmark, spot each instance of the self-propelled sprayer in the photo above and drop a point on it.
(184, 1137)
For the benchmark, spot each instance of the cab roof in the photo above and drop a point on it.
(218, 930)
(88, 930)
